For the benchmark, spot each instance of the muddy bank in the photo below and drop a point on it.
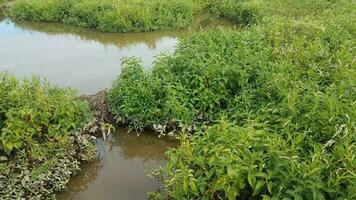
(99, 106)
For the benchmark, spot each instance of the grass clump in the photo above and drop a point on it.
(108, 15)
(39, 144)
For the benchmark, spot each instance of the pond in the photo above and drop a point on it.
(74, 57)
(89, 61)
(80, 58)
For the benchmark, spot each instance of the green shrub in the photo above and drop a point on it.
(38, 131)
(134, 81)
(243, 12)
(140, 15)
(108, 15)
(41, 10)
(229, 162)
(286, 86)
(289, 76)
(88, 13)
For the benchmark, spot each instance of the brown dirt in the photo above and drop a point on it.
(99, 106)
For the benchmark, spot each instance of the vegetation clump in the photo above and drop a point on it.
(133, 15)
(40, 144)
(230, 162)
(140, 15)
(243, 12)
(294, 76)
(287, 88)
(108, 15)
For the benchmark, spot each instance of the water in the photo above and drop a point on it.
(73, 57)
(89, 61)
(80, 58)
(122, 168)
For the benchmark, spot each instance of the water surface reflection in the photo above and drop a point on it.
(121, 169)
(82, 58)
(74, 57)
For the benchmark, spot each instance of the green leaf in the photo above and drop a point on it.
(258, 187)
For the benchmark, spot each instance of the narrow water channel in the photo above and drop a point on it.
(121, 170)
(89, 61)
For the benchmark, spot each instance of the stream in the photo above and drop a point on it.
(89, 61)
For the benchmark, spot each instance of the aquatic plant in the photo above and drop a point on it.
(40, 143)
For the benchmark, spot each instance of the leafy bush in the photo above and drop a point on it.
(38, 137)
(244, 12)
(140, 15)
(289, 76)
(108, 15)
(286, 86)
(41, 10)
(230, 162)
(134, 81)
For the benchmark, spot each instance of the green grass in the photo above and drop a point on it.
(39, 145)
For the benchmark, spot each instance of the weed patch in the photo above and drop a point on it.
(108, 15)
(40, 146)
(230, 162)
(287, 88)
(286, 76)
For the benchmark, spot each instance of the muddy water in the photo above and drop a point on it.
(89, 60)
(121, 170)
(74, 57)
(80, 58)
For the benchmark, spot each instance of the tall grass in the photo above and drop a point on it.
(243, 12)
